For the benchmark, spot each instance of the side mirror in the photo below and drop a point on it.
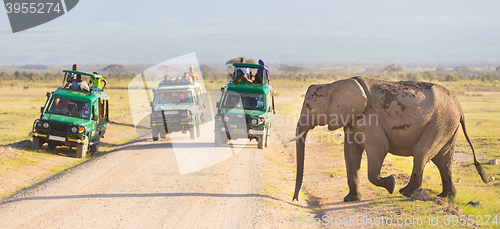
(151, 104)
(270, 108)
(41, 110)
(222, 88)
(217, 104)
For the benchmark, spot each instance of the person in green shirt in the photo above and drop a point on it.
(99, 83)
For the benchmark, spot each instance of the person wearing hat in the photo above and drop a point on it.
(193, 74)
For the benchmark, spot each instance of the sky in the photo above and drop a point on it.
(295, 32)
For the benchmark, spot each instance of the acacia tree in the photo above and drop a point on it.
(116, 69)
(392, 68)
(237, 60)
(289, 69)
(206, 68)
(461, 70)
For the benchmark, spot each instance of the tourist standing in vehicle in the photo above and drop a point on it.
(71, 76)
(192, 74)
(98, 84)
(186, 78)
(244, 70)
(79, 84)
(240, 77)
(167, 79)
(260, 73)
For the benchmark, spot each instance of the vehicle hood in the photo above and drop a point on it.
(65, 119)
(180, 106)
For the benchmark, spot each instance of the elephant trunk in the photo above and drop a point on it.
(300, 147)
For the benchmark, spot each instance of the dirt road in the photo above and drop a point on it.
(139, 186)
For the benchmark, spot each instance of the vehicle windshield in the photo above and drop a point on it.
(249, 101)
(70, 107)
(173, 97)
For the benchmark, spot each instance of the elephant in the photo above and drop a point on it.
(406, 118)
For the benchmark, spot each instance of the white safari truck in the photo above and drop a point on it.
(177, 107)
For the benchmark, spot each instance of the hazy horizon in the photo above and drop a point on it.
(301, 33)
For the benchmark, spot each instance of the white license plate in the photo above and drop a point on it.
(57, 138)
(255, 132)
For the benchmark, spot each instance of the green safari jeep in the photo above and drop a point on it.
(245, 110)
(73, 118)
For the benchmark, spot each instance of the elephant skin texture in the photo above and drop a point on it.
(406, 118)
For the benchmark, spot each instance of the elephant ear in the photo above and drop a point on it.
(347, 99)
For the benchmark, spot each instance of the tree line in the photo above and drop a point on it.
(26, 76)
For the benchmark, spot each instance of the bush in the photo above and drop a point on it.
(451, 78)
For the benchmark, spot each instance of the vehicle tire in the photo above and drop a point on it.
(198, 134)
(36, 144)
(223, 138)
(81, 149)
(154, 133)
(192, 132)
(52, 145)
(217, 139)
(220, 138)
(162, 134)
(267, 139)
(202, 119)
(95, 147)
(261, 141)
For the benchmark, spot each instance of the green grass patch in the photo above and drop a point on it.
(23, 158)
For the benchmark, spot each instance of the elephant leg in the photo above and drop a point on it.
(352, 154)
(376, 158)
(444, 162)
(416, 177)
(430, 143)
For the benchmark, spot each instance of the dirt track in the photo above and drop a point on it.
(139, 185)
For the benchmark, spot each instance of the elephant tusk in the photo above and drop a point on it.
(297, 137)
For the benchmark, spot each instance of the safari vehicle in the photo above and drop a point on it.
(73, 118)
(245, 110)
(177, 107)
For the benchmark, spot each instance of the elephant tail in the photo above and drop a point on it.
(479, 168)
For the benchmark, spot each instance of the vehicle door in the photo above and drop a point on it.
(270, 109)
(103, 115)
